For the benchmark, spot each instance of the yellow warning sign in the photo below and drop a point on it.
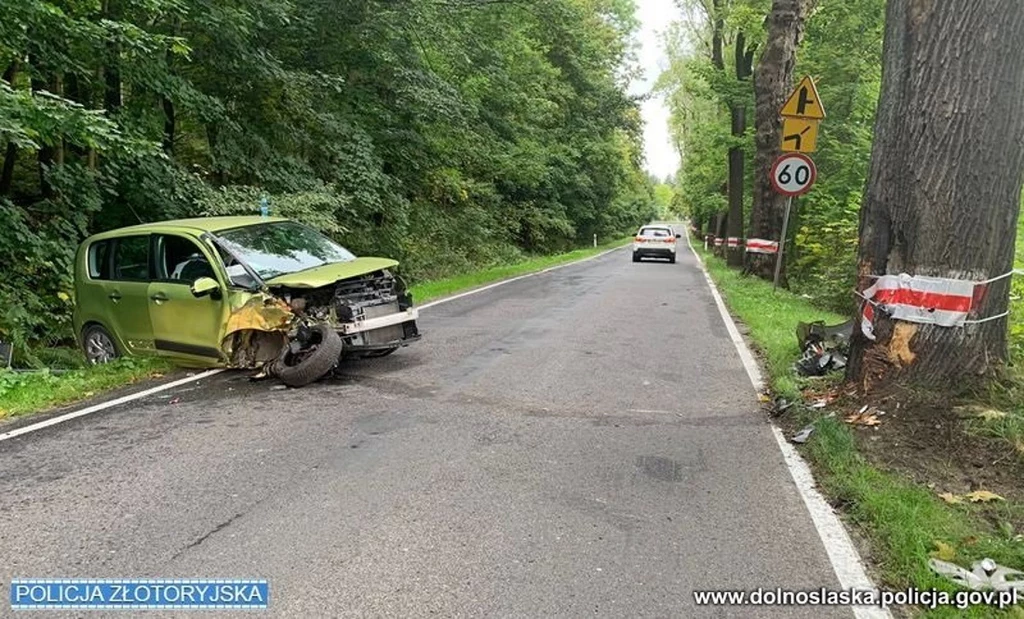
(804, 102)
(799, 135)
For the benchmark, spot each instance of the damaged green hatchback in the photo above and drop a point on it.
(243, 292)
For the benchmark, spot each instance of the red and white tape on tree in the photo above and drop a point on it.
(926, 300)
(762, 246)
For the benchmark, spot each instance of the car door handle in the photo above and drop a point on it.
(159, 297)
(114, 296)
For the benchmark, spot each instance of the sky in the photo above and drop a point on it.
(655, 15)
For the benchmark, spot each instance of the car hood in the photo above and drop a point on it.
(327, 274)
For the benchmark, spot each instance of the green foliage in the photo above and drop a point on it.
(25, 392)
(450, 135)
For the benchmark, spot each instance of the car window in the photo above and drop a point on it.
(237, 274)
(131, 258)
(655, 232)
(180, 259)
(276, 248)
(99, 260)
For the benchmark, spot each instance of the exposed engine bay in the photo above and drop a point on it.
(371, 312)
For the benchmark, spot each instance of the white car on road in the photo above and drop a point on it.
(655, 241)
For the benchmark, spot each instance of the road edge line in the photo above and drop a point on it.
(95, 408)
(502, 282)
(842, 554)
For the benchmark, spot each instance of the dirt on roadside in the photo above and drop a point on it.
(924, 438)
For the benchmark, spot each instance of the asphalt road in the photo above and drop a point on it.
(582, 442)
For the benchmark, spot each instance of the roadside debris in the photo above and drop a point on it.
(984, 574)
(778, 406)
(825, 348)
(802, 436)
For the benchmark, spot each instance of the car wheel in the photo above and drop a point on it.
(636, 257)
(672, 260)
(98, 345)
(318, 357)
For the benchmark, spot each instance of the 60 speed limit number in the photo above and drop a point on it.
(793, 174)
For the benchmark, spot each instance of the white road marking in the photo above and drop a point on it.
(105, 405)
(517, 278)
(148, 392)
(846, 562)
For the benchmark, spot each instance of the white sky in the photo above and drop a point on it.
(655, 16)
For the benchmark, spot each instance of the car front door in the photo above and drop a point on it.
(184, 326)
(127, 293)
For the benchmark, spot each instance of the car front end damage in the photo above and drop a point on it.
(298, 327)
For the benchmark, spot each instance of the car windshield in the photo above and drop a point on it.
(281, 247)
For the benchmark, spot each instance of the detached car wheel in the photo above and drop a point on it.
(317, 357)
(98, 345)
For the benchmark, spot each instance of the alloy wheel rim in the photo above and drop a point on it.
(99, 349)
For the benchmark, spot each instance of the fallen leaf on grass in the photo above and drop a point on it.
(763, 397)
(951, 498)
(157, 375)
(88, 394)
(943, 552)
(991, 414)
(983, 496)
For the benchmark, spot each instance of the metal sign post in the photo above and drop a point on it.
(782, 243)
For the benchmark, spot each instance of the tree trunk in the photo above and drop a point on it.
(738, 112)
(944, 185)
(771, 85)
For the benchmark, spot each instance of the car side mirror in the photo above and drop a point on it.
(205, 286)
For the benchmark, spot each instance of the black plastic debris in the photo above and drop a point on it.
(825, 348)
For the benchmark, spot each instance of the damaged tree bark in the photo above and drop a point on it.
(944, 186)
(772, 82)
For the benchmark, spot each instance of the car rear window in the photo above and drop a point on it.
(131, 258)
(99, 260)
(655, 232)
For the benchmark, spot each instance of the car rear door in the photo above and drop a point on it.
(127, 301)
(185, 327)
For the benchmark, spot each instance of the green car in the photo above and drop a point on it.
(243, 292)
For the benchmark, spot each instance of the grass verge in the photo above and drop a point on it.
(27, 392)
(430, 290)
(903, 522)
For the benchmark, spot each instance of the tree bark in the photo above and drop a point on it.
(943, 190)
(738, 111)
(772, 82)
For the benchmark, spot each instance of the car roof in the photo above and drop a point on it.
(195, 225)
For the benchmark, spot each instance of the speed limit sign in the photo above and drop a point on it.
(793, 174)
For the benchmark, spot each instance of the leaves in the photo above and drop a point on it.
(943, 552)
(952, 499)
(983, 496)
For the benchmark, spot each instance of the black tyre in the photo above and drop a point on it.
(636, 257)
(319, 357)
(98, 345)
(672, 260)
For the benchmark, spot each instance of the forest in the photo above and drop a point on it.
(731, 65)
(448, 134)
